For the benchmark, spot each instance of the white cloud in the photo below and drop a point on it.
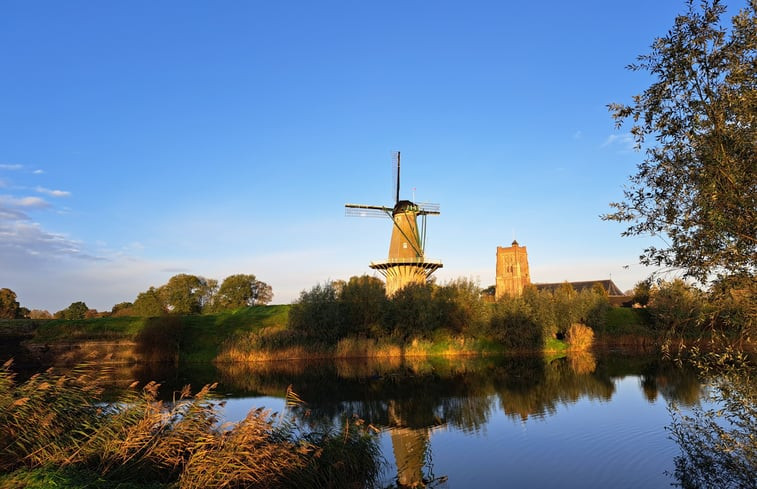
(38, 172)
(12, 167)
(26, 202)
(53, 193)
(625, 141)
(577, 135)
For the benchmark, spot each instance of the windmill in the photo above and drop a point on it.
(406, 263)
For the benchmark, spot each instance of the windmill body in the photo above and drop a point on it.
(406, 263)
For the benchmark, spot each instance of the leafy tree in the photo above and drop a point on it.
(641, 292)
(676, 306)
(148, 304)
(316, 313)
(696, 186)
(183, 294)
(77, 310)
(363, 301)
(242, 290)
(9, 306)
(122, 309)
(39, 314)
(411, 311)
(459, 306)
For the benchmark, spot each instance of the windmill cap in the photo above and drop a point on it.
(405, 205)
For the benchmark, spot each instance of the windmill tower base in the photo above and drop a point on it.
(400, 273)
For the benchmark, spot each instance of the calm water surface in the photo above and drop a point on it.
(575, 422)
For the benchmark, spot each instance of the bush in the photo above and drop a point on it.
(460, 307)
(579, 337)
(362, 305)
(410, 312)
(513, 324)
(676, 307)
(316, 313)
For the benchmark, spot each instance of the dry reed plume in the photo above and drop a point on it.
(60, 422)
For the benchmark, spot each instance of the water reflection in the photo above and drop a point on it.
(414, 400)
(410, 399)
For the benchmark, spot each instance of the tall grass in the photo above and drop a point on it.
(60, 421)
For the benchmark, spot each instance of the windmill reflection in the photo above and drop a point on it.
(411, 398)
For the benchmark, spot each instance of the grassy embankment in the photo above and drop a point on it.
(261, 333)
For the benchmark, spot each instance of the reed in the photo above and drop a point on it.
(59, 422)
(579, 337)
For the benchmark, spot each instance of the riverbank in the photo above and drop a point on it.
(261, 333)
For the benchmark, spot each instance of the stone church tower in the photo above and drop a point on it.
(512, 270)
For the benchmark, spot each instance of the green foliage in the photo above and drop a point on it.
(514, 324)
(411, 312)
(362, 305)
(148, 304)
(316, 313)
(718, 439)
(183, 294)
(642, 292)
(733, 305)
(122, 309)
(676, 307)
(697, 186)
(241, 290)
(460, 307)
(9, 306)
(77, 310)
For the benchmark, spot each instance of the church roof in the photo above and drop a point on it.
(608, 285)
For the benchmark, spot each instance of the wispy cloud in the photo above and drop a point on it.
(577, 135)
(53, 193)
(11, 167)
(20, 237)
(24, 202)
(38, 172)
(624, 141)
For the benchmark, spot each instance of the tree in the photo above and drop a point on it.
(641, 292)
(696, 187)
(148, 304)
(183, 294)
(262, 293)
(77, 310)
(9, 306)
(242, 290)
(122, 309)
(363, 301)
(39, 314)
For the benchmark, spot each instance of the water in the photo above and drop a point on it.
(580, 421)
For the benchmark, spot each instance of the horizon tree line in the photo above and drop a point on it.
(183, 294)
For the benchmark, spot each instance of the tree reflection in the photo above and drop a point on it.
(718, 439)
(411, 398)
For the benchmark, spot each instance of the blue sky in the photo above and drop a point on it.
(143, 139)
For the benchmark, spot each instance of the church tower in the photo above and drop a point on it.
(512, 270)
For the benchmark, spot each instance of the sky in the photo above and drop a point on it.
(143, 139)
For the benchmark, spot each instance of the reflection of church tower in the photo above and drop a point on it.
(512, 270)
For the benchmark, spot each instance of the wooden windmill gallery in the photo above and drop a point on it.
(406, 263)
